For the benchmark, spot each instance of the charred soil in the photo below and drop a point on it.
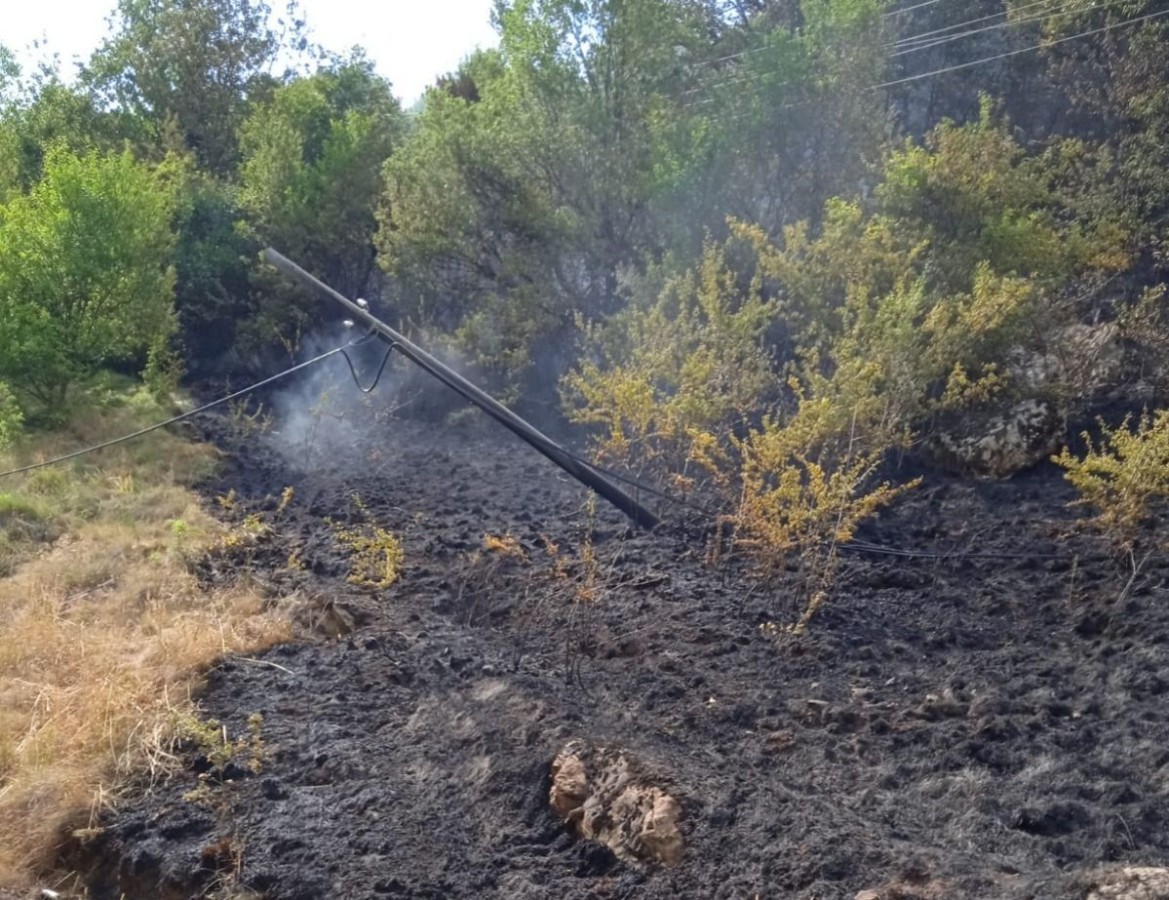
(959, 726)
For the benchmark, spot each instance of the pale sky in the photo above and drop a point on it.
(411, 41)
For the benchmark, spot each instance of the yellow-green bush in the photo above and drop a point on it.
(869, 330)
(375, 554)
(690, 364)
(11, 416)
(1122, 474)
(804, 490)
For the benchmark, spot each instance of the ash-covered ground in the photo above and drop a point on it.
(950, 727)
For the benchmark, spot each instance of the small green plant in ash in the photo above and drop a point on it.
(245, 422)
(209, 739)
(375, 554)
(1122, 475)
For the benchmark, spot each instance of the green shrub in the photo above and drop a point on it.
(11, 417)
(678, 375)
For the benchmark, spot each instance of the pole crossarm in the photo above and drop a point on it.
(456, 382)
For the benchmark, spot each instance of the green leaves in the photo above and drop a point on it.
(1123, 475)
(312, 176)
(192, 63)
(673, 378)
(85, 271)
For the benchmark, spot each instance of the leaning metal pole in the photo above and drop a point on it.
(452, 379)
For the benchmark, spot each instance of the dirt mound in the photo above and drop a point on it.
(988, 726)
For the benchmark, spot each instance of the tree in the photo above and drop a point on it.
(311, 178)
(214, 259)
(194, 62)
(783, 116)
(52, 113)
(85, 272)
(519, 197)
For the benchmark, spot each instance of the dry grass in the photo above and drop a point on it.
(104, 631)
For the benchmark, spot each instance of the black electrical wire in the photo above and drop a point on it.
(214, 403)
(380, 369)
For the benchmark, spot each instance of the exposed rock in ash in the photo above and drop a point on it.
(604, 797)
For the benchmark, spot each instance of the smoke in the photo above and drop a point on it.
(323, 420)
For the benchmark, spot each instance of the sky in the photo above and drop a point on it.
(411, 41)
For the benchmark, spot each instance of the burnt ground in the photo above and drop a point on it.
(966, 727)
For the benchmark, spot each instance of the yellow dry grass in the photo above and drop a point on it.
(104, 630)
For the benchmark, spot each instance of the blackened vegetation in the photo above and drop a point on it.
(974, 727)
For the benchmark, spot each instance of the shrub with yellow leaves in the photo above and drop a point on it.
(804, 492)
(690, 365)
(1122, 475)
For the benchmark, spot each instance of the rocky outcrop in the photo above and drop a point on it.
(1078, 361)
(603, 795)
(996, 445)
(1132, 883)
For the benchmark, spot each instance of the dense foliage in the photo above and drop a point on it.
(85, 272)
(732, 237)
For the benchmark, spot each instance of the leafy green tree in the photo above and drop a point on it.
(9, 72)
(53, 114)
(470, 229)
(781, 116)
(214, 263)
(311, 178)
(194, 63)
(86, 279)
(519, 197)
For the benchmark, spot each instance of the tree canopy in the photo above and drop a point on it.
(864, 168)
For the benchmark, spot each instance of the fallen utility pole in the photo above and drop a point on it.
(460, 385)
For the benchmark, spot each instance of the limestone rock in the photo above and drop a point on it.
(1083, 360)
(603, 795)
(998, 445)
(1132, 883)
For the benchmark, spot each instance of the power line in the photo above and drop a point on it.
(953, 68)
(731, 82)
(186, 415)
(897, 12)
(909, 39)
(1010, 53)
(1010, 23)
(913, 38)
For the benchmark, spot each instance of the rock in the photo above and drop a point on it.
(1080, 360)
(1132, 883)
(998, 445)
(604, 796)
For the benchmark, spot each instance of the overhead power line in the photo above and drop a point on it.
(751, 51)
(959, 66)
(1010, 23)
(898, 12)
(739, 79)
(914, 38)
(977, 62)
(186, 415)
